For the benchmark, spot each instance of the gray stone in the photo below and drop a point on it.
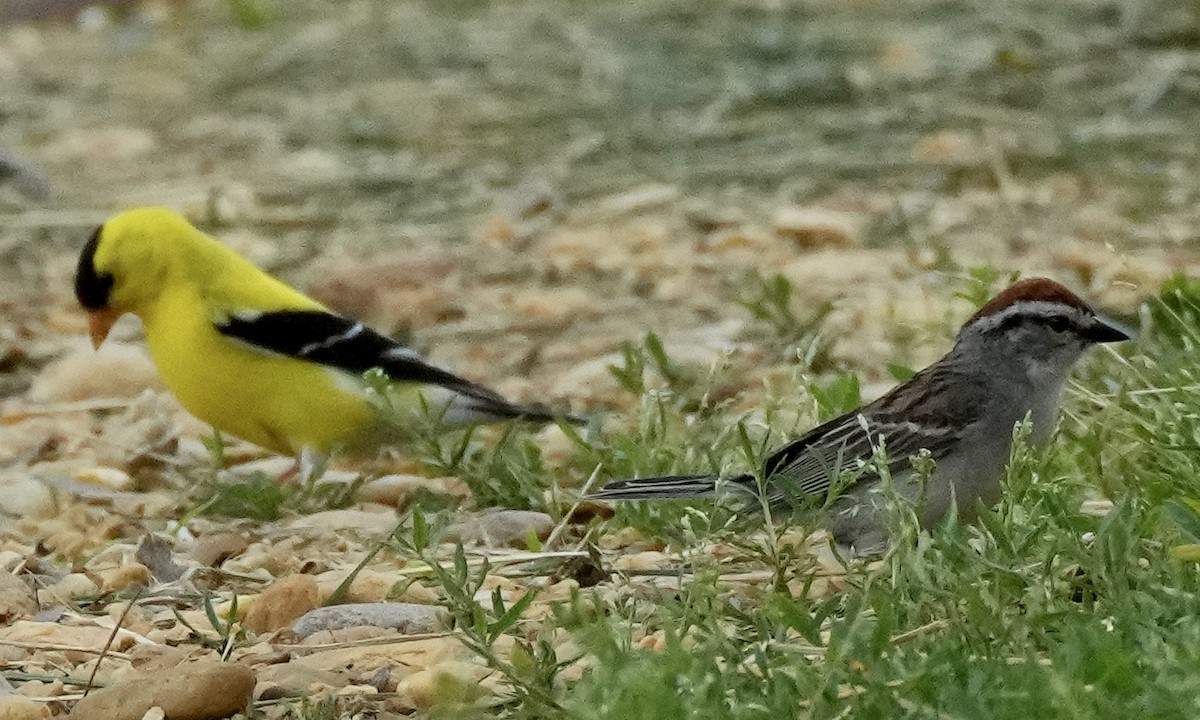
(408, 618)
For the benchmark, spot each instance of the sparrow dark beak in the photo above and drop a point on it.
(100, 322)
(1103, 330)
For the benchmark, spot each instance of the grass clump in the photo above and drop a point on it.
(261, 496)
(797, 335)
(1037, 609)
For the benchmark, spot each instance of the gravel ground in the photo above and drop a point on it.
(519, 189)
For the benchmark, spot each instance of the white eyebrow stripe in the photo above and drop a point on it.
(332, 340)
(1041, 308)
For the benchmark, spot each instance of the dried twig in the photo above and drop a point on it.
(368, 642)
(57, 647)
(562, 524)
(112, 637)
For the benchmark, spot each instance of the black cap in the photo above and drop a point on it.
(92, 288)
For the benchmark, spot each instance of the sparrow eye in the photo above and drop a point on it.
(1058, 323)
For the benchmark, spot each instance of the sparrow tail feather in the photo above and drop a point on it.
(667, 487)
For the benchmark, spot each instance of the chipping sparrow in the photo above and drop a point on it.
(1011, 360)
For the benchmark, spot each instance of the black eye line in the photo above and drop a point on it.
(1057, 323)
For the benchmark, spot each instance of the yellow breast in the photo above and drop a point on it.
(279, 403)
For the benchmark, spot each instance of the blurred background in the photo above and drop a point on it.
(701, 222)
(520, 187)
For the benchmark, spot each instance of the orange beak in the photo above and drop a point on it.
(99, 323)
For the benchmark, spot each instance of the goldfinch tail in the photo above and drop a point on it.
(470, 409)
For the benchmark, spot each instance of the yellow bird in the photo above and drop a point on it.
(254, 357)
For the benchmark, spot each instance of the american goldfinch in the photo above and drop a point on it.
(254, 357)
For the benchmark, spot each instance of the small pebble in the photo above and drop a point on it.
(16, 707)
(119, 578)
(116, 370)
(214, 549)
(408, 618)
(25, 497)
(284, 600)
(812, 228)
(196, 691)
(107, 477)
(401, 491)
(16, 598)
(68, 588)
(502, 528)
(452, 682)
(294, 680)
(369, 523)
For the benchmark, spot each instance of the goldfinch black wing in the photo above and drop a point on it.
(338, 342)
